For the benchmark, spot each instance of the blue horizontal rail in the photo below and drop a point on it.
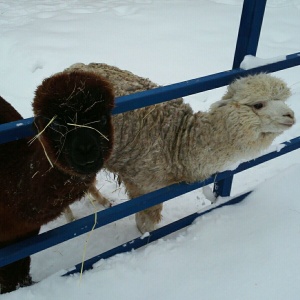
(197, 85)
(153, 236)
(16, 130)
(58, 235)
(24, 128)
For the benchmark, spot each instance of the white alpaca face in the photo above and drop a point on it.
(275, 116)
(264, 95)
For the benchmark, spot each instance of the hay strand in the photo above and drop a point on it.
(88, 238)
(37, 137)
(85, 126)
(41, 132)
(48, 158)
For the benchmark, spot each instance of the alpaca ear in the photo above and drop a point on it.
(220, 103)
(228, 95)
(282, 93)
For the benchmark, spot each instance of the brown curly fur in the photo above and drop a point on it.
(32, 192)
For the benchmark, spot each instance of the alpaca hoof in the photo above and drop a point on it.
(144, 223)
(104, 202)
(10, 287)
(27, 282)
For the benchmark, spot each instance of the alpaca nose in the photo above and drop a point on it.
(86, 154)
(84, 150)
(289, 115)
(289, 118)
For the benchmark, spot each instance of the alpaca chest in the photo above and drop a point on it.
(51, 198)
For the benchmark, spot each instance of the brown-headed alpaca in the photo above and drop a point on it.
(41, 178)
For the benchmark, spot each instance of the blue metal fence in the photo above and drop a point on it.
(248, 36)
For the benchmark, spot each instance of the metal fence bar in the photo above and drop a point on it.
(197, 85)
(16, 130)
(24, 128)
(249, 30)
(153, 236)
(58, 235)
(223, 187)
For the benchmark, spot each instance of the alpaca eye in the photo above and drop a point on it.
(258, 105)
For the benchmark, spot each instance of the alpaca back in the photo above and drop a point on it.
(9, 167)
(147, 134)
(7, 112)
(124, 82)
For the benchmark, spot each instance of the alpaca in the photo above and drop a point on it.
(41, 178)
(168, 143)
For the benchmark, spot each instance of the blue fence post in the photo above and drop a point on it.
(249, 31)
(223, 187)
(247, 42)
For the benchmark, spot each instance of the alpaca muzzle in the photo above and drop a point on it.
(85, 149)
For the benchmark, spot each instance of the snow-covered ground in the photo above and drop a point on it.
(246, 251)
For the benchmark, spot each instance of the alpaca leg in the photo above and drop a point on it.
(93, 191)
(147, 219)
(98, 196)
(15, 275)
(69, 215)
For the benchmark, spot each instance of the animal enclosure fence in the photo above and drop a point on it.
(247, 42)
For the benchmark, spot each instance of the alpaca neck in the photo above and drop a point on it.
(209, 147)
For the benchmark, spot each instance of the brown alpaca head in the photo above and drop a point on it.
(73, 116)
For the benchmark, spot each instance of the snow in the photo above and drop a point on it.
(246, 251)
(209, 194)
(250, 61)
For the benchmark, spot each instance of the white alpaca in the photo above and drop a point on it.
(167, 143)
